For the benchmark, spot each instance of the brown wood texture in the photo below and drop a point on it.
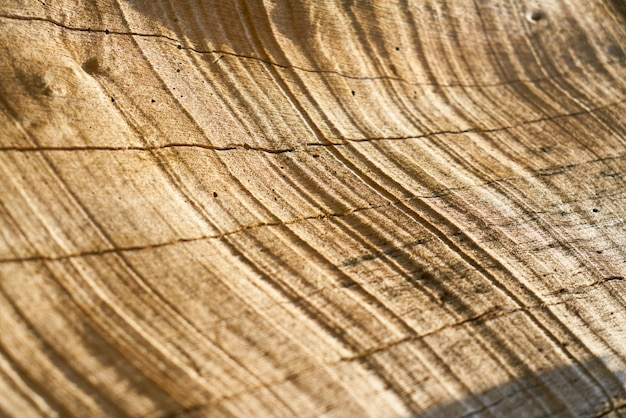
(307, 208)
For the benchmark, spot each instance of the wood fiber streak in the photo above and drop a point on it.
(294, 208)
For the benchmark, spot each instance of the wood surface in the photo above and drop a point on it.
(312, 208)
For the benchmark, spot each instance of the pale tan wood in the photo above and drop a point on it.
(386, 208)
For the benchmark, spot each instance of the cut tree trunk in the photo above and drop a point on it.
(306, 208)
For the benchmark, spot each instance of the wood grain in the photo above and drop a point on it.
(298, 208)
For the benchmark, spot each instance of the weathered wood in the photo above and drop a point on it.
(214, 208)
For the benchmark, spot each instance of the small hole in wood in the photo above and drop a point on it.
(91, 66)
(534, 16)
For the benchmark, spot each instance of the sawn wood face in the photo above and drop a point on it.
(305, 208)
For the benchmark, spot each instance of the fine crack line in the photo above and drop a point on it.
(346, 141)
(229, 147)
(582, 289)
(485, 130)
(295, 67)
(496, 312)
(88, 30)
(118, 250)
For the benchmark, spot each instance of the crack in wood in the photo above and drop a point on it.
(295, 67)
